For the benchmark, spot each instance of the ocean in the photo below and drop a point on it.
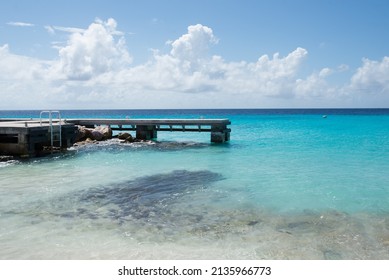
(290, 184)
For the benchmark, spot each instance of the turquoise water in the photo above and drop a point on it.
(289, 185)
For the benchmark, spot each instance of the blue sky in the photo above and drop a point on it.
(194, 54)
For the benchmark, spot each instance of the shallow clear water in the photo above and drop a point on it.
(289, 185)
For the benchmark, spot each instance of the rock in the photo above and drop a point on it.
(126, 136)
(83, 133)
(130, 139)
(80, 134)
(85, 142)
(99, 133)
(89, 140)
(106, 132)
(123, 136)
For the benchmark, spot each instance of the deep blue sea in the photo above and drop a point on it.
(290, 184)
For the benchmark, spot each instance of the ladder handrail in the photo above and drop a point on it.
(51, 126)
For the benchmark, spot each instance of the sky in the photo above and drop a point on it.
(149, 54)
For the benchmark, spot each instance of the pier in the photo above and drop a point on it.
(29, 138)
(32, 137)
(146, 129)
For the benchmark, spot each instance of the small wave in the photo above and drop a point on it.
(8, 163)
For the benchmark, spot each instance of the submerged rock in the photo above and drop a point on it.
(141, 199)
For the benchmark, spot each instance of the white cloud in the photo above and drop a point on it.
(15, 67)
(22, 80)
(193, 45)
(68, 29)
(315, 85)
(93, 52)
(20, 24)
(52, 29)
(110, 25)
(189, 67)
(93, 69)
(372, 77)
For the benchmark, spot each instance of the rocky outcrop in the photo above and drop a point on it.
(94, 135)
(98, 133)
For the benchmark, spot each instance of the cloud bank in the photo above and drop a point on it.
(94, 69)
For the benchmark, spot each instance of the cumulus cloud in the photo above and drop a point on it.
(94, 68)
(268, 76)
(93, 51)
(193, 45)
(372, 77)
(189, 67)
(315, 85)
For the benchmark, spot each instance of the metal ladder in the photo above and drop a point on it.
(51, 126)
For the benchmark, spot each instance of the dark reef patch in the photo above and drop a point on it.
(143, 198)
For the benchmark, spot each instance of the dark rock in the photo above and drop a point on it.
(80, 133)
(83, 133)
(123, 136)
(105, 131)
(130, 139)
(126, 136)
(97, 135)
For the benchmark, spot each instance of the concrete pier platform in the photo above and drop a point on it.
(28, 138)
